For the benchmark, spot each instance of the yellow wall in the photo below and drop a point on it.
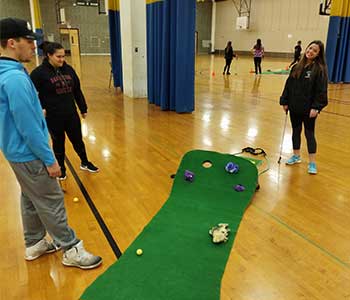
(340, 8)
(113, 5)
(37, 15)
(152, 1)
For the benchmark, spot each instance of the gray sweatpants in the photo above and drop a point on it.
(42, 205)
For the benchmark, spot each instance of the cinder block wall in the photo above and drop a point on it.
(203, 24)
(15, 8)
(93, 28)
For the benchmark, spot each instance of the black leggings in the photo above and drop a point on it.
(257, 63)
(296, 59)
(309, 130)
(228, 64)
(71, 125)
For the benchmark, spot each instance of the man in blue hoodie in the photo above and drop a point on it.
(24, 142)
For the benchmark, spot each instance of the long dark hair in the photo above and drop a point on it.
(50, 47)
(258, 44)
(319, 63)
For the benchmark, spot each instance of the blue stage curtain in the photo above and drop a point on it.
(154, 49)
(338, 42)
(115, 42)
(171, 54)
(40, 40)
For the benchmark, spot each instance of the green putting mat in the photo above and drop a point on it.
(179, 260)
(256, 162)
(278, 71)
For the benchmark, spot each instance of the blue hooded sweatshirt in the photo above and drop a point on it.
(23, 132)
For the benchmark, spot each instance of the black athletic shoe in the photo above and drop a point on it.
(89, 167)
(63, 175)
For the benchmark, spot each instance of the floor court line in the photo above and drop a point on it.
(278, 220)
(95, 211)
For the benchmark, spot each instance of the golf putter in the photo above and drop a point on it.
(284, 131)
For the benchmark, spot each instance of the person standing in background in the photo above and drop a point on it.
(297, 53)
(258, 52)
(229, 55)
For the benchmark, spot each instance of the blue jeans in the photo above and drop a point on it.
(42, 205)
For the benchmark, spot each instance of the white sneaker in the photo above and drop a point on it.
(77, 256)
(40, 248)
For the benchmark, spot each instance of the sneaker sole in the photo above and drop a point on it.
(91, 171)
(29, 258)
(291, 164)
(62, 178)
(83, 267)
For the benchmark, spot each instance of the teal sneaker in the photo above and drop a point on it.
(294, 159)
(312, 169)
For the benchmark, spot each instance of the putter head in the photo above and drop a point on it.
(279, 160)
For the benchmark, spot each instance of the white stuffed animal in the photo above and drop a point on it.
(220, 233)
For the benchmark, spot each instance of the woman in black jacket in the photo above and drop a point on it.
(59, 92)
(304, 96)
(229, 55)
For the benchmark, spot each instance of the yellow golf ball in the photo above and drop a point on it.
(75, 199)
(139, 251)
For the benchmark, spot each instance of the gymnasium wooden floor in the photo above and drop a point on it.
(293, 242)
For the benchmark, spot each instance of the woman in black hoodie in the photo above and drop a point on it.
(229, 55)
(59, 92)
(304, 96)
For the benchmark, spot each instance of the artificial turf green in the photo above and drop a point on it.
(179, 260)
(278, 72)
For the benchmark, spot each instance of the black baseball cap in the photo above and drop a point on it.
(16, 28)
